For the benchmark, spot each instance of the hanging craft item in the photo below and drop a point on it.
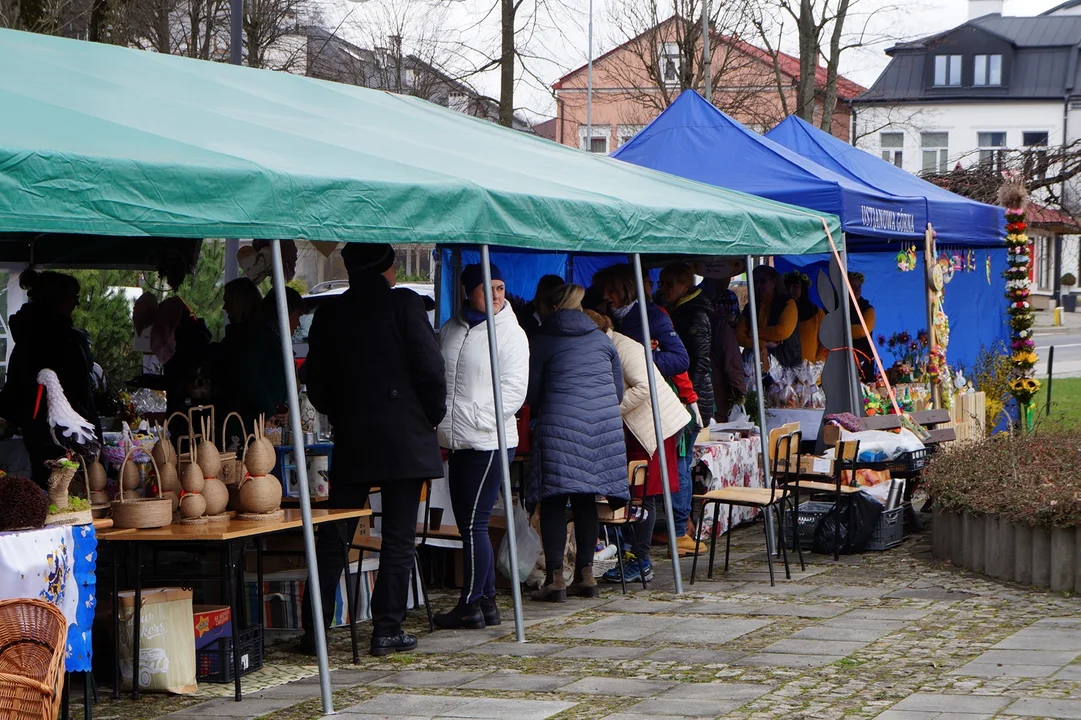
(906, 259)
(260, 492)
(987, 266)
(1024, 385)
(945, 266)
(970, 261)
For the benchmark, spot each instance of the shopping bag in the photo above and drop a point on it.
(166, 641)
(529, 546)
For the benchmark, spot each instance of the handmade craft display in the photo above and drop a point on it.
(260, 492)
(1023, 358)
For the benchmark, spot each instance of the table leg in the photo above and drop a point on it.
(116, 620)
(349, 598)
(260, 543)
(136, 664)
(65, 698)
(234, 606)
(88, 696)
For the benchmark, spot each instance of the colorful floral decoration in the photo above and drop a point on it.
(906, 259)
(1023, 357)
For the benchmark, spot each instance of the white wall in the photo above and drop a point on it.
(963, 122)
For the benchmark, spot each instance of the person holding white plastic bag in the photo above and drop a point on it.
(469, 432)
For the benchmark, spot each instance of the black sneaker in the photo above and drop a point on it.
(306, 646)
(490, 610)
(462, 616)
(402, 642)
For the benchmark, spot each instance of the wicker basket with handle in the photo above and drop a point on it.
(232, 466)
(142, 512)
(33, 639)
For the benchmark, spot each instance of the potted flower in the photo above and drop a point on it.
(1069, 300)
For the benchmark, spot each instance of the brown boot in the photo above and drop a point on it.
(584, 585)
(554, 588)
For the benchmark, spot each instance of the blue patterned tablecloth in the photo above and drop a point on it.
(55, 564)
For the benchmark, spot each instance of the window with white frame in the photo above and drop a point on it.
(992, 148)
(598, 143)
(1035, 143)
(670, 63)
(625, 132)
(1042, 247)
(893, 147)
(936, 151)
(987, 70)
(947, 70)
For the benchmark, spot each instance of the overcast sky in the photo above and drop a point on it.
(467, 24)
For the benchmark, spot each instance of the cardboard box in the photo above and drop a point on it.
(818, 466)
(212, 622)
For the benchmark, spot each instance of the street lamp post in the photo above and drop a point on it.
(589, 84)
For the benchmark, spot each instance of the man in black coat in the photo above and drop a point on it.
(375, 370)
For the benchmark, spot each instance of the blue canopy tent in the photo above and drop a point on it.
(972, 231)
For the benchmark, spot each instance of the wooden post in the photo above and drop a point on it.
(932, 294)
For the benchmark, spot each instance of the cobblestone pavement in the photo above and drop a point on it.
(889, 635)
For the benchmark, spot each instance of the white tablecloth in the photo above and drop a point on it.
(729, 464)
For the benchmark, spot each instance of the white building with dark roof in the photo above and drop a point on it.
(966, 95)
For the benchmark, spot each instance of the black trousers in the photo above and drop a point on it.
(475, 476)
(553, 523)
(400, 504)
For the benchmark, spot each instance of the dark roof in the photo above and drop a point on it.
(1064, 6)
(1043, 64)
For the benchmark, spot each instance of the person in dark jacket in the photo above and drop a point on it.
(575, 387)
(46, 338)
(528, 313)
(375, 370)
(246, 361)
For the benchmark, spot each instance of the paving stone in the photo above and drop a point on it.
(1025, 640)
(785, 588)
(889, 614)
(630, 605)
(847, 591)
(1027, 657)
(515, 649)
(814, 647)
(718, 691)
(600, 652)
(500, 709)
(940, 594)
(445, 642)
(368, 716)
(1046, 707)
(907, 715)
(683, 708)
(622, 628)
(990, 670)
(831, 632)
(618, 686)
(767, 609)
(689, 656)
(788, 660)
(953, 703)
(230, 708)
(1065, 622)
(701, 585)
(709, 631)
(523, 682)
(395, 704)
(863, 624)
(763, 576)
(429, 678)
(344, 678)
(629, 716)
(1070, 672)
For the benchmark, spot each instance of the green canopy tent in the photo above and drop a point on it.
(98, 140)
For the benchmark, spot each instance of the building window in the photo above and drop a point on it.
(987, 70)
(947, 70)
(1043, 263)
(992, 149)
(893, 146)
(625, 132)
(596, 144)
(936, 153)
(1036, 162)
(670, 63)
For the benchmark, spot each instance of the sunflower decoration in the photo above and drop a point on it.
(1024, 386)
(1025, 389)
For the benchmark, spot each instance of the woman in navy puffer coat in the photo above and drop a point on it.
(575, 387)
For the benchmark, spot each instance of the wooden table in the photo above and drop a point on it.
(228, 534)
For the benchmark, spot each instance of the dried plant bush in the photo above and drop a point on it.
(991, 375)
(1025, 478)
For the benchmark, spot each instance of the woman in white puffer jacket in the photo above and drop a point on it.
(469, 432)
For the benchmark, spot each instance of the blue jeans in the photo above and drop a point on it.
(681, 501)
(475, 477)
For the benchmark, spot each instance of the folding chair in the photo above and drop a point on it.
(607, 516)
(767, 500)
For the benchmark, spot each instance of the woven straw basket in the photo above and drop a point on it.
(33, 638)
(142, 512)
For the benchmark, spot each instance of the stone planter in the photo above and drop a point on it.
(1017, 553)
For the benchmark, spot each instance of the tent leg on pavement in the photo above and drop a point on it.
(662, 460)
(302, 478)
(763, 427)
(501, 434)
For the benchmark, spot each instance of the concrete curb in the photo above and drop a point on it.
(1041, 557)
(1062, 559)
(992, 553)
(1007, 549)
(1022, 548)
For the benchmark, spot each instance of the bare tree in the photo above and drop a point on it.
(50, 17)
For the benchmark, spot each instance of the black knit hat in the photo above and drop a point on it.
(366, 257)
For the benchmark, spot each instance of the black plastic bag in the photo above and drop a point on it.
(858, 514)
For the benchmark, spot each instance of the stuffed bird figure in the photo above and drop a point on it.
(77, 435)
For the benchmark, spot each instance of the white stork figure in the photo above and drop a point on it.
(76, 433)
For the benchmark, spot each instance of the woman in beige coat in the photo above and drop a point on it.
(637, 413)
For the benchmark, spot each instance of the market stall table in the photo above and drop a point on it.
(732, 463)
(225, 534)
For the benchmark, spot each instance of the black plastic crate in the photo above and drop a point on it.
(214, 663)
(889, 530)
(808, 515)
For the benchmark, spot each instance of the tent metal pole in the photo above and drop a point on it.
(501, 434)
(763, 428)
(302, 476)
(661, 458)
(855, 406)
(437, 279)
